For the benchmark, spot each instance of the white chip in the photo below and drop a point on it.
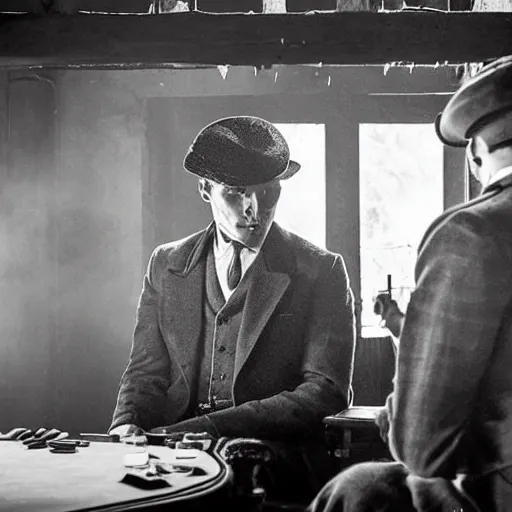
(134, 460)
(186, 453)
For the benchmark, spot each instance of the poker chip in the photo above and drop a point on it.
(64, 450)
(35, 445)
(14, 434)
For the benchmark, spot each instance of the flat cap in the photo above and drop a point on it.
(483, 106)
(240, 151)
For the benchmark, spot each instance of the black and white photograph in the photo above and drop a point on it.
(256, 255)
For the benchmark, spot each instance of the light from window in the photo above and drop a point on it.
(302, 206)
(401, 192)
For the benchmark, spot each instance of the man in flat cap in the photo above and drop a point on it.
(243, 329)
(451, 411)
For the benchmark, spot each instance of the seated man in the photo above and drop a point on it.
(243, 329)
(451, 409)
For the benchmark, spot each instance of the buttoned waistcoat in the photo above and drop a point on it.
(221, 325)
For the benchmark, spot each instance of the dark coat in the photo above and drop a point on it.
(295, 348)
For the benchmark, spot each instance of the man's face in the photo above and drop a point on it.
(244, 214)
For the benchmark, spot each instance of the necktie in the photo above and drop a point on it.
(235, 266)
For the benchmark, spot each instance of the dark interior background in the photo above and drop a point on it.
(91, 180)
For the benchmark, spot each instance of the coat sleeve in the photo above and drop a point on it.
(463, 278)
(327, 368)
(143, 388)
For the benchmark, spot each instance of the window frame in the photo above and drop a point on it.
(375, 109)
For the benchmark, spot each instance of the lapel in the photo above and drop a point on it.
(271, 277)
(182, 315)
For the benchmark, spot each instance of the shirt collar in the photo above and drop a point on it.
(499, 175)
(223, 242)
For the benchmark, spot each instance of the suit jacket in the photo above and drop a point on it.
(295, 348)
(452, 401)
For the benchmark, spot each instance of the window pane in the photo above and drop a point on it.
(401, 192)
(301, 208)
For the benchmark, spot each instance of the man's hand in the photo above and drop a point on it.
(388, 310)
(382, 421)
(128, 432)
(384, 417)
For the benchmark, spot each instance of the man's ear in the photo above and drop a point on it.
(478, 152)
(205, 189)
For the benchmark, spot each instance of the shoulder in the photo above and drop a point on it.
(303, 246)
(477, 226)
(177, 245)
(484, 216)
(176, 254)
(308, 254)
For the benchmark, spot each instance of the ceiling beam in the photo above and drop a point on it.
(260, 40)
(245, 81)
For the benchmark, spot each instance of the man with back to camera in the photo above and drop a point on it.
(242, 329)
(451, 409)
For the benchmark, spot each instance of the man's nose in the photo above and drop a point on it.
(251, 207)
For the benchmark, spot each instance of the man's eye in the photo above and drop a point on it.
(236, 191)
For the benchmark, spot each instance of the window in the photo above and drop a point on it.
(401, 192)
(302, 206)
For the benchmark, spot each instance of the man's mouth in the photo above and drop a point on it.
(251, 227)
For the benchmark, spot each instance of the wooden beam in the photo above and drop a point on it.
(300, 80)
(195, 38)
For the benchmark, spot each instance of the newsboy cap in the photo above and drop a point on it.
(482, 106)
(240, 151)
